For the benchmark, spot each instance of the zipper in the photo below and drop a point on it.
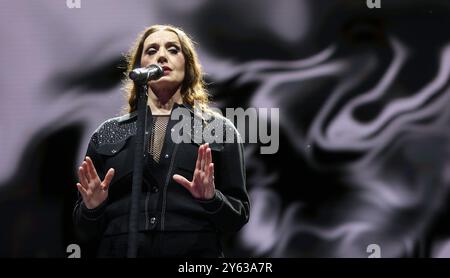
(166, 185)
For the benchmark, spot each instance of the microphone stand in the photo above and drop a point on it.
(138, 167)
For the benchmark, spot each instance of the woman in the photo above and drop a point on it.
(192, 193)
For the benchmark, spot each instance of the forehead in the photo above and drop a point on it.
(162, 37)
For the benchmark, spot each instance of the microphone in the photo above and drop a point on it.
(143, 75)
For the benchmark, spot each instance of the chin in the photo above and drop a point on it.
(164, 82)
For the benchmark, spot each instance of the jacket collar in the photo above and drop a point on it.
(132, 115)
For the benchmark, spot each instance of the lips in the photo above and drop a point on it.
(166, 70)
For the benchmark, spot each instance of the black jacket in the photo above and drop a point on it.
(165, 206)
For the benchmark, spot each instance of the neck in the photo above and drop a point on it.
(161, 102)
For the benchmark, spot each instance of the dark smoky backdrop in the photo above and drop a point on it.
(363, 97)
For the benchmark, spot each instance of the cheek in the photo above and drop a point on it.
(145, 61)
(182, 73)
(181, 66)
(180, 62)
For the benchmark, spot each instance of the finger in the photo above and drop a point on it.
(109, 176)
(91, 168)
(208, 157)
(207, 173)
(82, 191)
(202, 158)
(84, 165)
(82, 177)
(211, 172)
(202, 161)
(183, 181)
(197, 164)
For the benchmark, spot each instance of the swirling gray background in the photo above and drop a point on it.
(363, 95)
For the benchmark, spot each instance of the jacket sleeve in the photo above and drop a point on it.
(230, 207)
(90, 223)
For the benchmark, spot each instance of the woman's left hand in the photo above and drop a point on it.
(202, 184)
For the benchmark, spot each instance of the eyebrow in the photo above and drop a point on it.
(167, 43)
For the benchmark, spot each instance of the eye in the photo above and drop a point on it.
(151, 51)
(174, 50)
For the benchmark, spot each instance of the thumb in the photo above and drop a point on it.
(183, 181)
(109, 176)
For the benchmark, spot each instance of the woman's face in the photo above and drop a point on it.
(164, 48)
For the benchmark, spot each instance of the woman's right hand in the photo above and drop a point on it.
(92, 189)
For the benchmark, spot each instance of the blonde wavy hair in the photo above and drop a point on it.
(193, 88)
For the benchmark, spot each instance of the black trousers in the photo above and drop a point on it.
(164, 244)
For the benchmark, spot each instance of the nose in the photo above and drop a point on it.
(162, 57)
